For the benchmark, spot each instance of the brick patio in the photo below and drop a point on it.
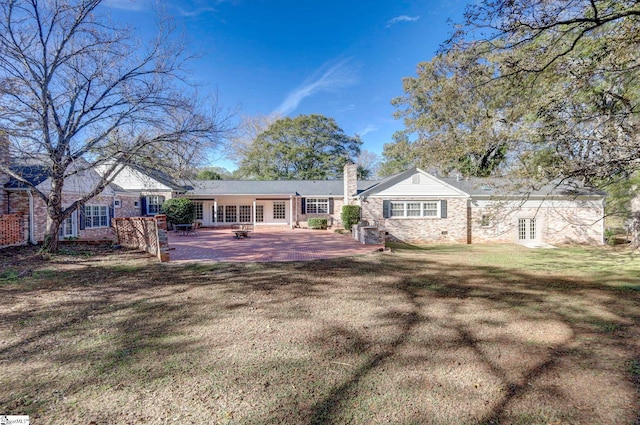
(265, 245)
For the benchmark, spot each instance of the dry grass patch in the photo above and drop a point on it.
(440, 335)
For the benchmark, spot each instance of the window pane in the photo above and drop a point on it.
(413, 209)
(430, 209)
(260, 213)
(245, 213)
(279, 211)
(397, 209)
(230, 215)
(317, 205)
(198, 209)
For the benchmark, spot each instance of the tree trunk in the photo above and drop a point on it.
(635, 222)
(51, 236)
(54, 211)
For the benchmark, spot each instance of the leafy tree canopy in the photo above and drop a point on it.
(213, 173)
(308, 147)
(547, 90)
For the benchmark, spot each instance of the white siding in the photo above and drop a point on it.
(131, 179)
(426, 186)
(81, 183)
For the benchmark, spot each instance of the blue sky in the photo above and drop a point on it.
(341, 59)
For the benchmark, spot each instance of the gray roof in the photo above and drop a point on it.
(34, 174)
(500, 187)
(328, 188)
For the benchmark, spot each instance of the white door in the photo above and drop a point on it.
(69, 227)
(527, 229)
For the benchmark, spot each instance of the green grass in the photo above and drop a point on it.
(424, 335)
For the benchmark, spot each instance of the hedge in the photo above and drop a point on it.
(350, 215)
(179, 210)
(317, 223)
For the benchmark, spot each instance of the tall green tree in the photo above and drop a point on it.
(308, 147)
(458, 120)
(398, 156)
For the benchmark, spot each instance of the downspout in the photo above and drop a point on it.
(31, 221)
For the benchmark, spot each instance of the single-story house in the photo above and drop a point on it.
(412, 206)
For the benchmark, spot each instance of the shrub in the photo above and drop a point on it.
(317, 223)
(350, 216)
(179, 210)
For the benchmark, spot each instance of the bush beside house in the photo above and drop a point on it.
(317, 223)
(350, 216)
(179, 211)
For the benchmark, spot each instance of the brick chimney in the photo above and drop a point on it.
(4, 178)
(350, 183)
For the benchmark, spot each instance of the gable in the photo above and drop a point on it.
(81, 183)
(131, 179)
(415, 183)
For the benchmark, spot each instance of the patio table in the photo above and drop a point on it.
(184, 229)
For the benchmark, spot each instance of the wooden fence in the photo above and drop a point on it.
(145, 233)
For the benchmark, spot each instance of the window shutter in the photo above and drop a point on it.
(82, 216)
(304, 205)
(330, 205)
(443, 209)
(386, 205)
(111, 215)
(143, 205)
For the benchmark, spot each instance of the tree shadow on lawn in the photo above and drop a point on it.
(373, 339)
(567, 340)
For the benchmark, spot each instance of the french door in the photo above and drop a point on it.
(527, 229)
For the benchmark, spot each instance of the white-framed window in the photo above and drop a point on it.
(397, 209)
(279, 210)
(416, 209)
(136, 204)
(413, 209)
(260, 213)
(117, 203)
(430, 209)
(245, 213)
(197, 206)
(230, 213)
(485, 220)
(96, 216)
(154, 204)
(317, 205)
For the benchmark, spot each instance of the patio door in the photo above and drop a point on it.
(527, 229)
(69, 227)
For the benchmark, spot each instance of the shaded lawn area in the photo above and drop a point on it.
(425, 335)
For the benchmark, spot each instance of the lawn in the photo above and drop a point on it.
(423, 335)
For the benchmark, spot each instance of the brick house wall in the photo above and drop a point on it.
(40, 218)
(333, 219)
(128, 207)
(453, 228)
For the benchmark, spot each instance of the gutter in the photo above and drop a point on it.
(31, 223)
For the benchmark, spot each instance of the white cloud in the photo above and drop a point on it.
(368, 129)
(194, 12)
(402, 18)
(325, 79)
